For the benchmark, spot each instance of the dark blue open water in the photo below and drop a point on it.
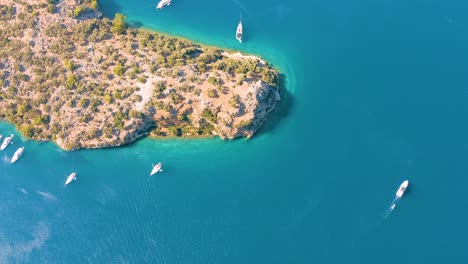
(377, 92)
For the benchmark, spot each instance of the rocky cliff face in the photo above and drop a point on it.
(259, 101)
(70, 76)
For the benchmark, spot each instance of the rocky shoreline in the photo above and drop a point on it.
(71, 76)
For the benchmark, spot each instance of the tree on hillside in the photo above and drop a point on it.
(94, 4)
(118, 24)
(118, 70)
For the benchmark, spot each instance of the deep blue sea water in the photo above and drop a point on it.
(376, 93)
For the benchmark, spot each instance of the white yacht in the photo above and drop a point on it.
(6, 142)
(163, 3)
(402, 189)
(156, 168)
(1, 136)
(17, 154)
(70, 178)
(239, 32)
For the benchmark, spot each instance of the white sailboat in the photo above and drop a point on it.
(156, 168)
(163, 3)
(239, 31)
(70, 178)
(17, 154)
(6, 142)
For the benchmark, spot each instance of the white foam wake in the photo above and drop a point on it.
(390, 209)
(19, 251)
(242, 7)
(47, 196)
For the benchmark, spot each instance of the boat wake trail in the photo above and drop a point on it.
(398, 195)
(378, 220)
(242, 7)
(387, 212)
(47, 196)
(389, 209)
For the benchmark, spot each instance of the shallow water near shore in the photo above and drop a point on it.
(377, 93)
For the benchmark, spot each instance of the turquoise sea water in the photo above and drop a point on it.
(377, 93)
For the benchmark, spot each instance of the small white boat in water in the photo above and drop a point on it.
(17, 154)
(6, 142)
(239, 32)
(70, 178)
(163, 3)
(402, 189)
(156, 168)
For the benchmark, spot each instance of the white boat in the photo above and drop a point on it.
(156, 168)
(239, 32)
(1, 136)
(17, 154)
(402, 189)
(163, 3)
(70, 178)
(6, 142)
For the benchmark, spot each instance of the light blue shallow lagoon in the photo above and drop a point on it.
(376, 92)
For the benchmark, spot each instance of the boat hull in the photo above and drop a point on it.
(17, 155)
(6, 142)
(70, 178)
(402, 189)
(239, 32)
(162, 4)
(156, 169)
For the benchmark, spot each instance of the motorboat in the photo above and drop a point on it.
(402, 189)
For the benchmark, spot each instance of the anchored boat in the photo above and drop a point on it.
(402, 189)
(156, 168)
(239, 32)
(163, 3)
(70, 178)
(17, 154)
(6, 142)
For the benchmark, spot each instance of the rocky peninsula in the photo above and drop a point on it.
(72, 76)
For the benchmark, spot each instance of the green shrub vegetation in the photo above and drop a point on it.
(208, 115)
(87, 71)
(118, 70)
(119, 119)
(118, 24)
(212, 93)
(78, 11)
(70, 81)
(214, 81)
(235, 100)
(94, 5)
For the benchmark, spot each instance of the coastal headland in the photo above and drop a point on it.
(72, 76)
